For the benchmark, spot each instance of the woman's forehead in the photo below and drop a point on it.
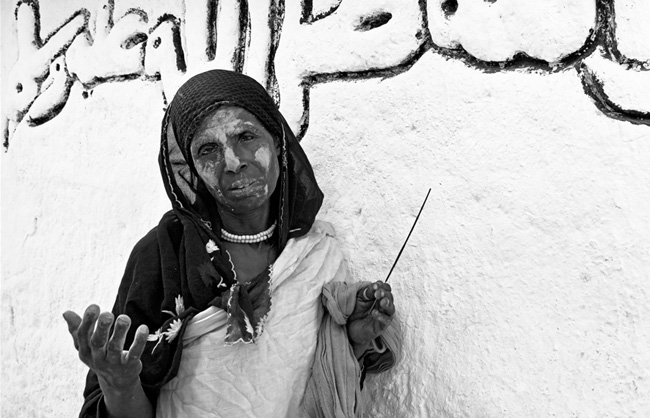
(229, 119)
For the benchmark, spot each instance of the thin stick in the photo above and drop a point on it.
(398, 254)
(408, 236)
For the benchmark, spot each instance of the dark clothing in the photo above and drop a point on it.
(182, 256)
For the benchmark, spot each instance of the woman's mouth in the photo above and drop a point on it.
(241, 184)
(245, 188)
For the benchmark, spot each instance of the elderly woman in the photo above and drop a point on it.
(236, 304)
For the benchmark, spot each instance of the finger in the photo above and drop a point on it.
(380, 285)
(368, 293)
(383, 294)
(139, 342)
(386, 306)
(381, 321)
(386, 287)
(100, 336)
(73, 320)
(116, 343)
(85, 330)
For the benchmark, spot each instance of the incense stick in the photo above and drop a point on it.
(408, 236)
(400, 251)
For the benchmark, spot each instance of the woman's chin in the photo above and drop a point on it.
(240, 202)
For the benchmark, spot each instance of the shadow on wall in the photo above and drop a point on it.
(377, 39)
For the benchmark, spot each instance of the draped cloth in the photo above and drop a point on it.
(294, 204)
(211, 279)
(333, 390)
(303, 364)
(268, 378)
(180, 269)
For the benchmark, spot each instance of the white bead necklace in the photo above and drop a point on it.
(248, 239)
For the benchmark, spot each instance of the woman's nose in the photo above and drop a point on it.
(234, 162)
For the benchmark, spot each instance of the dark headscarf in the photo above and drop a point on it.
(208, 268)
(299, 199)
(296, 200)
(180, 268)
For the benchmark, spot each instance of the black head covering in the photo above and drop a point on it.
(194, 264)
(299, 196)
(209, 275)
(179, 268)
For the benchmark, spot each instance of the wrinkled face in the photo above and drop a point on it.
(237, 159)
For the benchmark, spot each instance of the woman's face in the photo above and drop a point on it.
(237, 159)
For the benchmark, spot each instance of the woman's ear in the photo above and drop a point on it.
(276, 142)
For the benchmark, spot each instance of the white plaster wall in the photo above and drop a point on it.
(525, 288)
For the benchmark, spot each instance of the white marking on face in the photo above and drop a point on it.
(236, 158)
(263, 157)
(231, 159)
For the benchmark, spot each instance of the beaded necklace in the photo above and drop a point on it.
(248, 239)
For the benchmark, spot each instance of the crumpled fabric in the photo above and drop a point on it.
(295, 202)
(182, 256)
(266, 379)
(302, 365)
(334, 388)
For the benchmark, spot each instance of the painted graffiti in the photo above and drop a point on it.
(382, 38)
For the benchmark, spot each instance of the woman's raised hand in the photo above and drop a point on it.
(116, 368)
(372, 313)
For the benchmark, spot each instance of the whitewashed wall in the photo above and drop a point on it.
(525, 289)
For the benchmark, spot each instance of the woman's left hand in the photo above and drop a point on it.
(372, 314)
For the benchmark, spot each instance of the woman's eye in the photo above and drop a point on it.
(246, 137)
(207, 149)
